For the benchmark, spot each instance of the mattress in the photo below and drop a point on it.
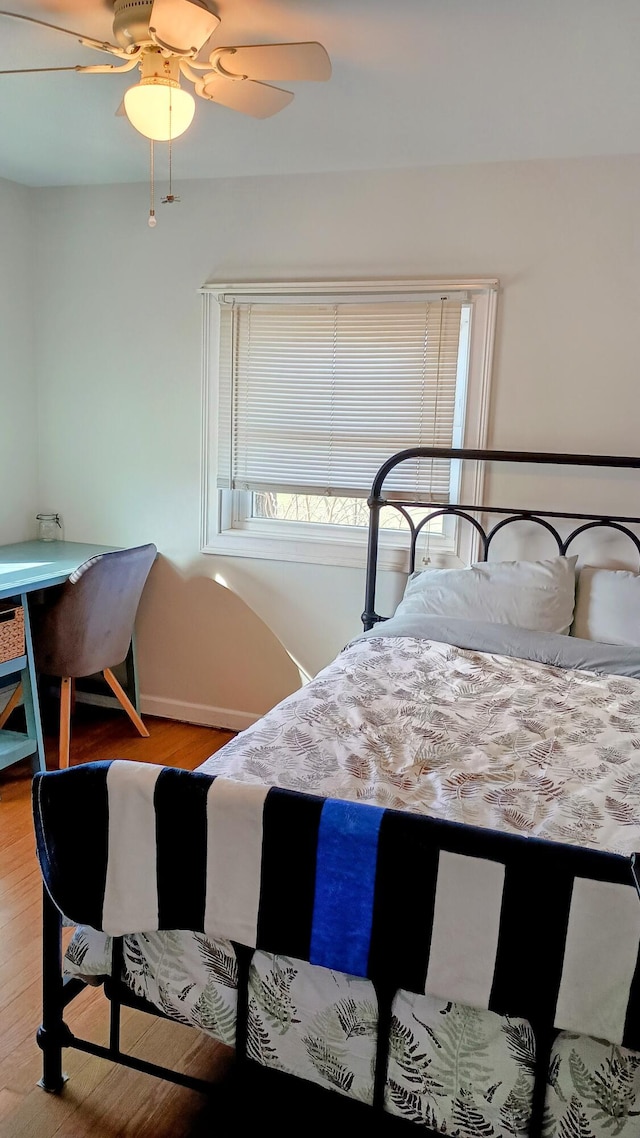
(426, 719)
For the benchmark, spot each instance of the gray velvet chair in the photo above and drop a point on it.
(85, 626)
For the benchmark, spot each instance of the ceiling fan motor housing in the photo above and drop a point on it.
(131, 21)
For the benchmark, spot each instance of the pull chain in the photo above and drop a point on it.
(171, 197)
(152, 187)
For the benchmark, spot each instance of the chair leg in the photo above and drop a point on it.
(65, 722)
(125, 702)
(15, 699)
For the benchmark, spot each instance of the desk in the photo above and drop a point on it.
(26, 567)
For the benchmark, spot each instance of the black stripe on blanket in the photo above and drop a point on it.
(180, 800)
(404, 901)
(536, 902)
(73, 854)
(289, 845)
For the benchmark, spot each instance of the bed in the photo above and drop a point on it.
(413, 882)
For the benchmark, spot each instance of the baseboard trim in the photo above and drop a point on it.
(200, 713)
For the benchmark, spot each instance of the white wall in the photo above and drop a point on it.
(18, 424)
(119, 372)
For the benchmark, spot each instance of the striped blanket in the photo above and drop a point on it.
(524, 927)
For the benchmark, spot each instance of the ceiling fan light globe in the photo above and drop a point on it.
(159, 111)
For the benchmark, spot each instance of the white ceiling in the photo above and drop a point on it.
(415, 82)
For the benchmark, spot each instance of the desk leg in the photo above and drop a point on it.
(30, 692)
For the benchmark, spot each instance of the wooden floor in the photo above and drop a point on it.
(100, 1099)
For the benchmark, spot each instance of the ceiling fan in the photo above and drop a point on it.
(164, 39)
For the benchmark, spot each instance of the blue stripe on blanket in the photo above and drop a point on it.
(345, 880)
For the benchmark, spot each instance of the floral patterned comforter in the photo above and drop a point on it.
(470, 736)
(467, 735)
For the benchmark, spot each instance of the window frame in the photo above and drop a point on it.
(227, 525)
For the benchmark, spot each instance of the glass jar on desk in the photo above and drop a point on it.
(49, 527)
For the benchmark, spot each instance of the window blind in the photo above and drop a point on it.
(319, 395)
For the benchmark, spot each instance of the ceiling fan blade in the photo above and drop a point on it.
(74, 5)
(93, 69)
(86, 41)
(33, 70)
(182, 25)
(256, 99)
(282, 62)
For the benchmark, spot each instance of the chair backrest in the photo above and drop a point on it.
(87, 624)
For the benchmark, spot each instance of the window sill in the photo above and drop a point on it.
(317, 551)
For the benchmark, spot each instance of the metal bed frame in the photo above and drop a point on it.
(509, 514)
(59, 991)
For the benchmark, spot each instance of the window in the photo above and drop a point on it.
(308, 388)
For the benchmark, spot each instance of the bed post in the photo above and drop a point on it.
(51, 1035)
(115, 993)
(385, 993)
(369, 617)
(244, 956)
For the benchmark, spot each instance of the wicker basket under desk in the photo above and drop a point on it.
(11, 631)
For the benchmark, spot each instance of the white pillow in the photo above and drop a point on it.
(538, 595)
(607, 606)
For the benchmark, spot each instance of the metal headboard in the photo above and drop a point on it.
(510, 514)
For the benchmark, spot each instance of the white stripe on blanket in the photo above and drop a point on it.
(131, 891)
(600, 959)
(466, 926)
(234, 860)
